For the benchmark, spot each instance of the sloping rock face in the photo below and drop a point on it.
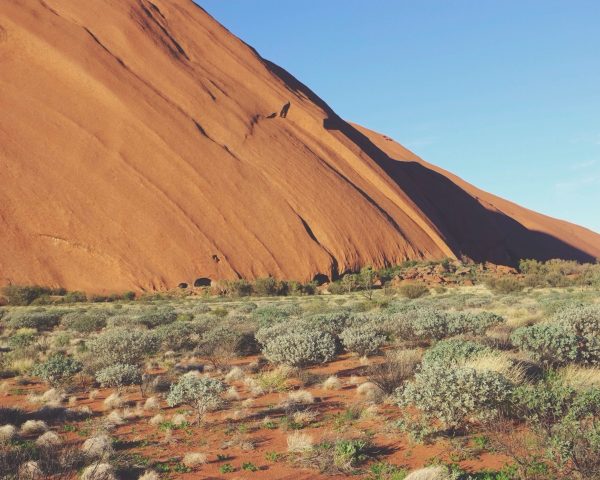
(143, 145)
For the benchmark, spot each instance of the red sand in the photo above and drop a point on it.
(136, 153)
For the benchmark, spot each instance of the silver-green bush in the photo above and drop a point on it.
(119, 375)
(201, 393)
(456, 395)
(365, 339)
(299, 347)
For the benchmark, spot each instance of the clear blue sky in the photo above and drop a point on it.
(504, 93)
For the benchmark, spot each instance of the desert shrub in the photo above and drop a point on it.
(584, 320)
(300, 348)
(365, 339)
(427, 324)
(333, 322)
(549, 343)
(22, 338)
(272, 313)
(269, 286)
(463, 323)
(201, 393)
(504, 285)
(234, 288)
(121, 345)
(224, 342)
(180, 336)
(85, 322)
(413, 290)
(454, 351)
(24, 295)
(248, 307)
(338, 457)
(45, 320)
(57, 369)
(455, 395)
(154, 319)
(566, 423)
(119, 375)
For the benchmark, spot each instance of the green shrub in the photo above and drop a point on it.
(201, 393)
(333, 323)
(300, 348)
(122, 345)
(413, 290)
(269, 286)
(180, 336)
(456, 395)
(154, 319)
(365, 339)
(22, 338)
(85, 322)
(463, 323)
(224, 342)
(274, 313)
(57, 369)
(584, 320)
(565, 422)
(119, 375)
(557, 344)
(45, 320)
(453, 351)
(505, 285)
(427, 324)
(24, 295)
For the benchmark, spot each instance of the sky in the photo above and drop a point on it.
(503, 93)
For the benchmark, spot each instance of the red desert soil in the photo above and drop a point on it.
(137, 151)
(225, 433)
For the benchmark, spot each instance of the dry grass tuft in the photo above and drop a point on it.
(152, 403)
(332, 383)
(33, 426)
(98, 447)
(429, 473)
(581, 378)
(299, 442)
(235, 374)
(98, 471)
(48, 439)
(149, 475)
(30, 471)
(501, 363)
(113, 401)
(157, 419)
(7, 433)
(193, 459)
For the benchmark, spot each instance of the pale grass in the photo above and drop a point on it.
(157, 419)
(30, 471)
(499, 362)
(113, 401)
(48, 439)
(234, 375)
(98, 471)
(580, 378)
(34, 426)
(332, 383)
(7, 433)
(299, 442)
(193, 459)
(152, 403)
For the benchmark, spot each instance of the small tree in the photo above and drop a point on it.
(203, 394)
